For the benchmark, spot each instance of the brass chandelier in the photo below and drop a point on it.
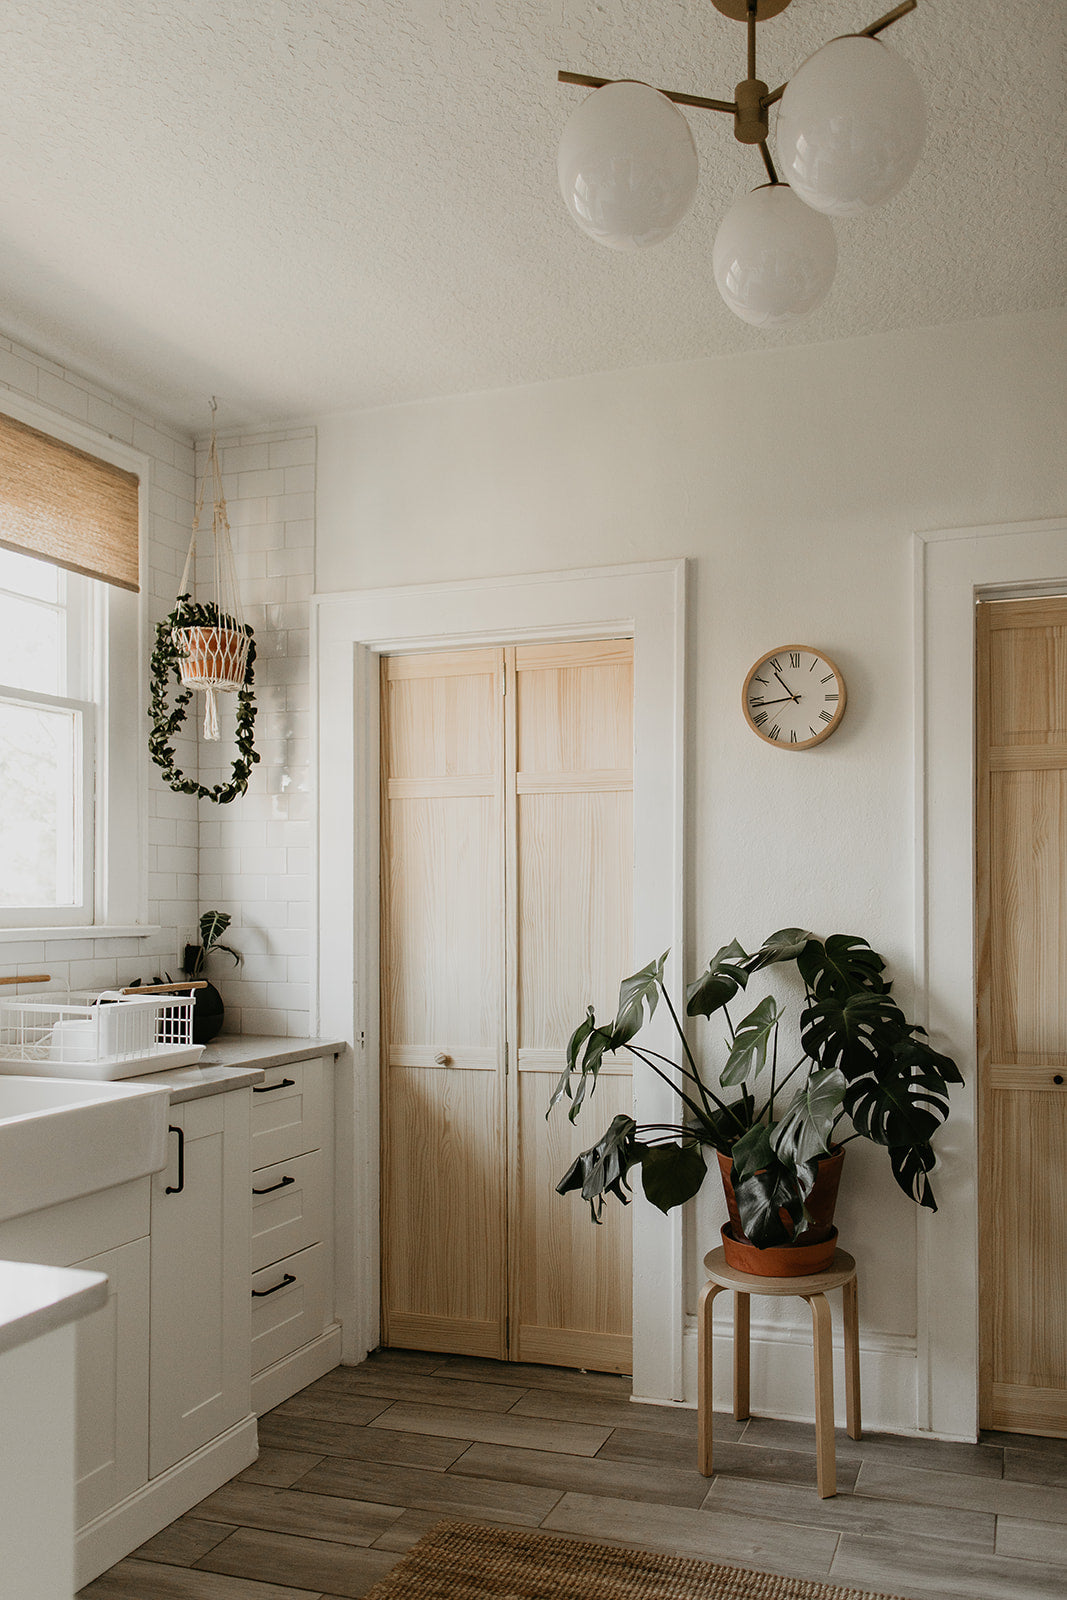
(850, 128)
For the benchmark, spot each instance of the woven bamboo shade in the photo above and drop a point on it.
(66, 506)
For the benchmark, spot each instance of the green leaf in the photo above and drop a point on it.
(637, 992)
(574, 1044)
(910, 1164)
(672, 1173)
(785, 945)
(804, 1131)
(760, 1200)
(601, 1170)
(854, 1033)
(903, 1102)
(716, 987)
(748, 1054)
(841, 965)
(751, 1152)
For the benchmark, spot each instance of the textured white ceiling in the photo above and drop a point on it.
(309, 205)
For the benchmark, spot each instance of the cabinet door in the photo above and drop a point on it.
(112, 1384)
(200, 1381)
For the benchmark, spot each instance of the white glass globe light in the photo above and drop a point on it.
(850, 126)
(773, 258)
(627, 166)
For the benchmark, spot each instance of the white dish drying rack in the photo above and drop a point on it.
(105, 1034)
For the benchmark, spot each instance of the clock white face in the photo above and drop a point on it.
(794, 697)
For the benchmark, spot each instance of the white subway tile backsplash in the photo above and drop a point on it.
(293, 452)
(63, 396)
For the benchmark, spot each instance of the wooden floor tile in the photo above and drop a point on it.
(447, 1493)
(787, 1503)
(937, 1455)
(335, 1569)
(182, 1542)
(319, 1516)
(626, 1480)
(1033, 1541)
(325, 1438)
(752, 1461)
(1030, 1466)
(528, 1376)
(354, 1409)
(1032, 1502)
(576, 1439)
(930, 1570)
(397, 1383)
(278, 1466)
(145, 1580)
(799, 1551)
(679, 1422)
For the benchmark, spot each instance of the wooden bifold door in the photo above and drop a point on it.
(507, 862)
(1022, 1014)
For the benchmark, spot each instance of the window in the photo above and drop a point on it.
(71, 741)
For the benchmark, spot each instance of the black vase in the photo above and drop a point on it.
(208, 1013)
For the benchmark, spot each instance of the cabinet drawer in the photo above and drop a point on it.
(287, 1112)
(288, 1208)
(286, 1315)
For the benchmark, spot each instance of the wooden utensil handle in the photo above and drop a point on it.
(161, 988)
(29, 977)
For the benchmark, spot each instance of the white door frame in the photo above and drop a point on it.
(349, 633)
(954, 568)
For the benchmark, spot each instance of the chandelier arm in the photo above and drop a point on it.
(768, 163)
(863, 33)
(584, 81)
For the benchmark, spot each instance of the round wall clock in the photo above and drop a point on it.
(794, 697)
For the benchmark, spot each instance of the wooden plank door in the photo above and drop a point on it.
(1022, 1014)
(444, 1271)
(570, 803)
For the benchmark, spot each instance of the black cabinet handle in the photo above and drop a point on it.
(269, 1088)
(259, 1294)
(180, 1185)
(274, 1186)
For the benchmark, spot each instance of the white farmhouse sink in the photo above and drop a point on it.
(60, 1139)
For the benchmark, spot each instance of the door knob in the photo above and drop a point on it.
(442, 1060)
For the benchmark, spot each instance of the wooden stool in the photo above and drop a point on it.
(842, 1275)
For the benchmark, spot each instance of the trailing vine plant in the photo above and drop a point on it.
(167, 723)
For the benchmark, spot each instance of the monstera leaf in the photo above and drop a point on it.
(852, 1034)
(764, 1195)
(638, 994)
(601, 1170)
(671, 1174)
(748, 1053)
(726, 974)
(787, 944)
(805, 1131)
(841, 965)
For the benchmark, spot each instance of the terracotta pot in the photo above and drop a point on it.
(814, 1244)
(781, 1260)
(214, 657)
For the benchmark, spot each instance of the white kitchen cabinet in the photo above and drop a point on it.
(293, 1338)
(199, 1296)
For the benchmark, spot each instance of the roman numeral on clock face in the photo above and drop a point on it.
(825, 716)
(794, 658)
(760, 720)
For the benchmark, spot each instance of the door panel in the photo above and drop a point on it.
(444, 1268)
(1022, 1013)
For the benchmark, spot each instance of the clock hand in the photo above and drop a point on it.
(780, 702)
(785, 686)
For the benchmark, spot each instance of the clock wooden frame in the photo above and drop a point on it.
(780, 656)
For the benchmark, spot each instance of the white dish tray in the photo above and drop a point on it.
(159, 1060)
(104, 1036)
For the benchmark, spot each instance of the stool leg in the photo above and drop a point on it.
(822, 1337)
(742, 1304)
(704, 1396)
(850, 1297)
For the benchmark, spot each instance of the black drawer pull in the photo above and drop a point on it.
(259, 1294)
(269, 1088)
(274, 1186)
(176, 1188)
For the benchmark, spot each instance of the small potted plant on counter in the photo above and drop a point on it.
(209, 1011)
(779, 1139)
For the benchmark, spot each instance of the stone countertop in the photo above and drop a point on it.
(35, 1300)
(235, 1060)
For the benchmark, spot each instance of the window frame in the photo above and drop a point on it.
(113, 722)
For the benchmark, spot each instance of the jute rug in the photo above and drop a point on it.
(461, 1561)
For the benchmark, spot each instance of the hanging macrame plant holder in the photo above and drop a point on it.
(213, 658)
(210, 647)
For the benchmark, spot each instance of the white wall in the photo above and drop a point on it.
(171, 821)
(795, 481)
(255, 851)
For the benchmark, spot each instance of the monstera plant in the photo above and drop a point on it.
(862, 1066)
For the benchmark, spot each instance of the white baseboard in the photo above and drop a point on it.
(276, 1383)
(782, 1377)
(115, 1533)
